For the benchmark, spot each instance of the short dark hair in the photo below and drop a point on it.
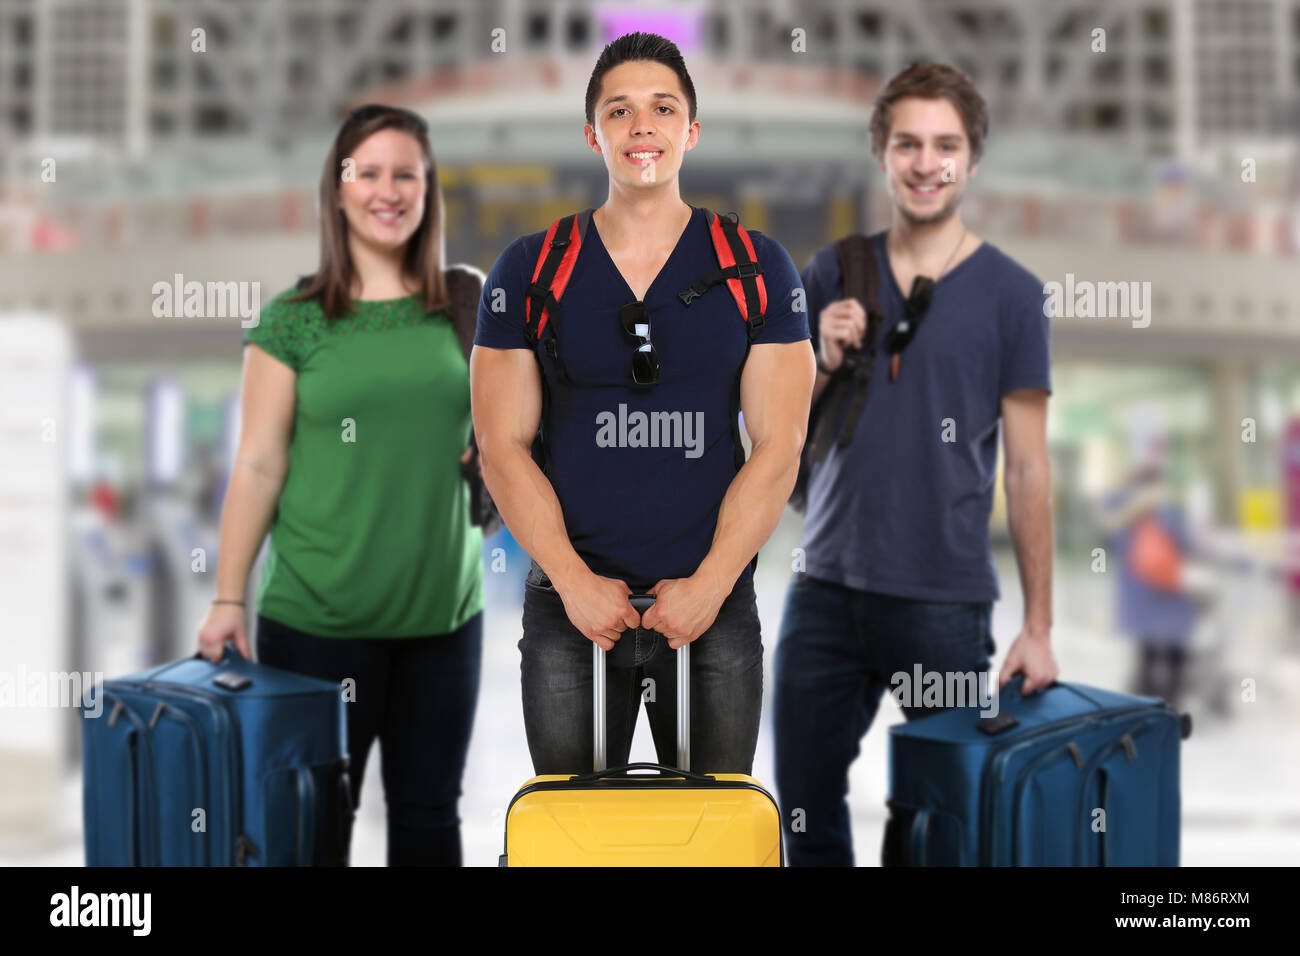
(639, 46)
(932, 81)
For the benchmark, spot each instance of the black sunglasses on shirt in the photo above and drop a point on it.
(635, 319)
(900, 336)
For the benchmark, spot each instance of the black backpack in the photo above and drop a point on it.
(828, 420)
(464, 287)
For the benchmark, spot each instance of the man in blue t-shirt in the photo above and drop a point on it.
(640, 490)
(899, 578)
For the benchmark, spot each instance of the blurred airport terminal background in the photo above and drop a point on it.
(1145, 141)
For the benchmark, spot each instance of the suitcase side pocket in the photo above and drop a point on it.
(143, 784)
(177, 745)
(1042, 832)
(1124, 783)
(110, 765)
(308, 810)
(281, 809)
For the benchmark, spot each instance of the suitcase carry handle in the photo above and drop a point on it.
(642, 602)
(1019, 679)
(665, 773)
(227, 651)
(230, 680)
(1004, 721)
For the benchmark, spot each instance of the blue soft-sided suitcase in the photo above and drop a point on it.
(229, 764)
(1083, 777)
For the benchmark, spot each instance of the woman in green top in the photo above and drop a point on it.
(356, 419)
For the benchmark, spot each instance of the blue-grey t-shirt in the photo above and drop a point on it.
(632, 510)
(901, 510)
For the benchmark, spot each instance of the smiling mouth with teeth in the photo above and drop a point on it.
(388, 215)
(644, 155)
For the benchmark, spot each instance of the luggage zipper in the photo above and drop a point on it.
(144, 807)
(225, 728)
(1000, 759)
(133, 785)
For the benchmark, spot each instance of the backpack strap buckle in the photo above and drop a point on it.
(696, 290)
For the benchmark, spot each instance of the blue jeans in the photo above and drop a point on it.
(417, 695)
(556, 676)
(836, 653)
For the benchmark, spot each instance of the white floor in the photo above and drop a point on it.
(1240, 777)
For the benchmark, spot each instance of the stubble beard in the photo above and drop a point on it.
(942, 214)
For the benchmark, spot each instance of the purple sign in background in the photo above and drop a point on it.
(680, 26)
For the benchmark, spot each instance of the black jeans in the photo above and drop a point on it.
(417, 695)
(1161, 671)
(556, 674)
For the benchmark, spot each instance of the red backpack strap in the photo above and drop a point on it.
(551, 273)
(738, 266)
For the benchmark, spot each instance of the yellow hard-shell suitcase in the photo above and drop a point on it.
(626, 816)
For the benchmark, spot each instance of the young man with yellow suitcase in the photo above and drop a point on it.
(633, 335)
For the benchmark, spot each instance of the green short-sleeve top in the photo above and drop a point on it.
(371, 536)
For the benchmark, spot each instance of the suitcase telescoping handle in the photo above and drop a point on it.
(642, 603)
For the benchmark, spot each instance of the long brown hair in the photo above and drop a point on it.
(332, 281)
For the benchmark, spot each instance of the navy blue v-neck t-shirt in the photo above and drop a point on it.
(904, 508)
(640, 471)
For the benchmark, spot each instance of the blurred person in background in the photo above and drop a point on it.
(1154, 604)
(899, 565)
(356, 418)
(1174, 211)
(603, 522)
